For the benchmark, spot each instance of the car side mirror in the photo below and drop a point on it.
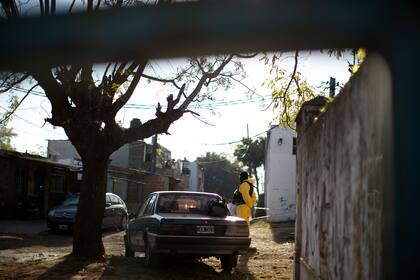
(131, 216)
(107, 204)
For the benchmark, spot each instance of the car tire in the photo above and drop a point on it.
(128, 251)
(228, 262)
(151, 258)
(123, 222)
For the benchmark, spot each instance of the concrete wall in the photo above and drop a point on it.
(195, 179)
(64, 149)
(280, 175)
(344, 162)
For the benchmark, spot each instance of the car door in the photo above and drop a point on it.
(115, 214)
(139, 226)
(107, 220)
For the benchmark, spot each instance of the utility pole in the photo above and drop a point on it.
(154, 150)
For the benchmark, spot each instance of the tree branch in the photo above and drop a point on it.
(9, 114)
(155, 126)
(10, 8)
(71, 6)
(157, 79)
(11, 84)
(54, 92)
(122, 100)
(202, 81)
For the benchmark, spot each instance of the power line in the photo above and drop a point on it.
(234, 142)
(31, 123)
(209, 105)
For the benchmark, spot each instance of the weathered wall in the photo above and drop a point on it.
(280, 175)
(344, 161)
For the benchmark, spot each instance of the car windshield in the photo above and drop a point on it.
(184, 203)
(71, 200)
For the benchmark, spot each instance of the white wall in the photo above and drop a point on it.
(196, 177)
(280, 175)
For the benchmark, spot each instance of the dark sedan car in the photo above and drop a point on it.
(186, 223)
(62, 217)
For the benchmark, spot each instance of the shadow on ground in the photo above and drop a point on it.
(68, 267)
(283, 232)
(119, 267)
(169, 268)
(47, 238)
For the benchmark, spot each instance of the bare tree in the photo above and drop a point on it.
(86, 108)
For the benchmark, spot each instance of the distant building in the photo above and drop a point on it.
(280, 174)
(192, 176)
(131, 174)
(30, 185)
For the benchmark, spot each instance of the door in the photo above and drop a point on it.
(139, 225)
(108, 215)
(115, 211)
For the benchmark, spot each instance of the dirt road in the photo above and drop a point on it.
(45, 256)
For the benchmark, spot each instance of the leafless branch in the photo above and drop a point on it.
(71, 6)
(7, 84)
(104, 76)
(203, 121)
(9, 114)
(157, 79)
(202, 81)
(241, 83)
(122, 100)
(54, 92)
(98, 5)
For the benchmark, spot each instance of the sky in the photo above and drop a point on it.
(236, 112)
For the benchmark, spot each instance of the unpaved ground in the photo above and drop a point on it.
(45, 256)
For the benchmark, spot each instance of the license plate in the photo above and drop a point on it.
(63, 227)
(205, 229)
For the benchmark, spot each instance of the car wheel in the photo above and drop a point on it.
(152, 259)
(228, 262)
(123, 224)
(128, 251)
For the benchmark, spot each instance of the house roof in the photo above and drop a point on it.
(36, 158)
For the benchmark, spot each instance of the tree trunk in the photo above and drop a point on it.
(87, 238)
(257, 180)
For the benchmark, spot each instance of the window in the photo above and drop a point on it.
(148, 157)
(294, 146)
(143, 207)
(57, 184)
(21, 181)
(114, 200)
(150, 207)
(184, 203)
(119, 187)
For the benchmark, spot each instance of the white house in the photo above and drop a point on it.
(280, 174)
(193, 176)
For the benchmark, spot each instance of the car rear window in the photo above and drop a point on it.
(184, 203)
(71, 200)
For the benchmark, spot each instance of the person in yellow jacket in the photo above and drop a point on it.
(244, 209)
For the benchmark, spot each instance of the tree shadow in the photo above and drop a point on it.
(66, 269)
(47, 238)
(169, 268)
